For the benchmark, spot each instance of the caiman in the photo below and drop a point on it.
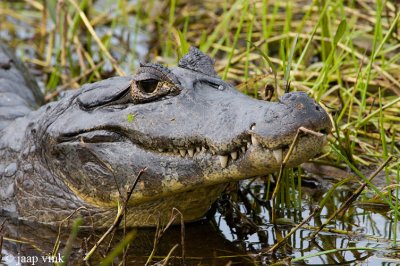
(192, 131)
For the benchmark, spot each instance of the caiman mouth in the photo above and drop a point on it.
(197, 148)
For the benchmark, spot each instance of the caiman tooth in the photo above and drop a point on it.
(223, 160)
(234, 155)
(182, 152)
(278, 155)
(176, 151)
(254, 141)
(160, 150)
(248, 145)
(198, 149)
(203, 149)
(191, 152)
(243, 149)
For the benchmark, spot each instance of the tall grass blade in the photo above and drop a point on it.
(290, 58)
(301, 57)
(109, 260)
(236, 38)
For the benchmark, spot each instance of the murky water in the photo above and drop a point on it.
(240, 232)
(357, 230)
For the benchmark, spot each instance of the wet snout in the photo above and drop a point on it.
(293, 110)
(305, 111)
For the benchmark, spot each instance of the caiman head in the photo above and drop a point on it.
(192, 132)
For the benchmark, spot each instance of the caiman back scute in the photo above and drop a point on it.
(19, 93)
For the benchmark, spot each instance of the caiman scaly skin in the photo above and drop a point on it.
(194, 132)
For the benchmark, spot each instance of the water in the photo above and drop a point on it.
(242, 238)
(360, 228)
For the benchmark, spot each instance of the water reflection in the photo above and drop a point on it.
(239, 232)
(358, 228)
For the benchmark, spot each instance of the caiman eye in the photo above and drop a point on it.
(148, 86)
(149, 90)
(153, 82)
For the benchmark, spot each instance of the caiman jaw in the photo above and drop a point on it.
(229, 157)
(240, 147)
(245, 144)
(236, 150)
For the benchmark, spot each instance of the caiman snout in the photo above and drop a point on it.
(304, 111)
(274, 130)
(282, 120)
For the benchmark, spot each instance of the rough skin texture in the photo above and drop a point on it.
(194, 133)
